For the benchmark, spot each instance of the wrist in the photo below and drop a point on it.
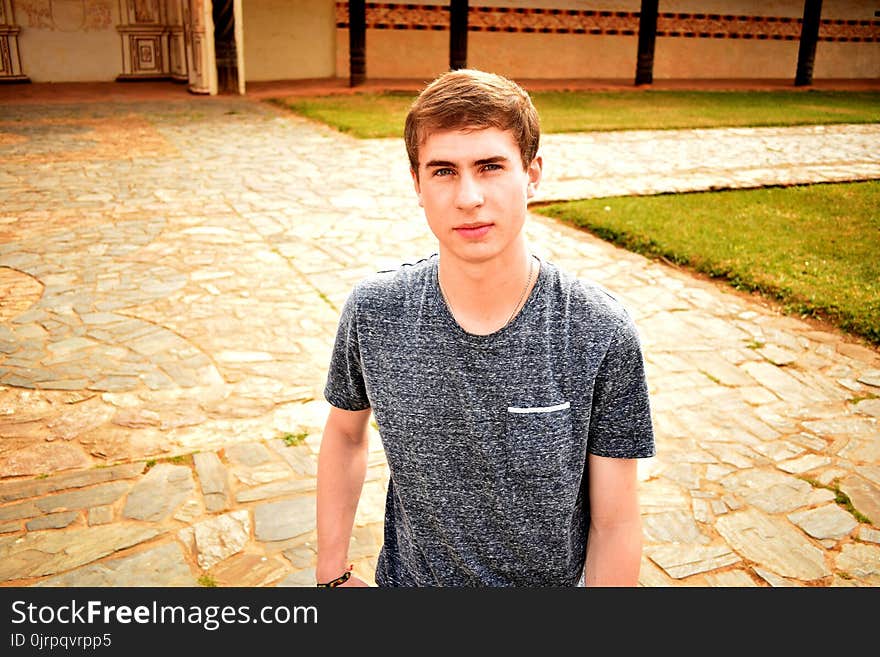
(325, 571)
(338, 580)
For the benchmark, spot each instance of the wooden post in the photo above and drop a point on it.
(809, 38)
(647, 39)
(458, 30)
(357, 42)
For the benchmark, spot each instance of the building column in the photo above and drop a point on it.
(10, 58)
(458, 31)
(809, 38)
(357, 42)
(199, 29)
(647, 39)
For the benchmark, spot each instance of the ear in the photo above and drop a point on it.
(415, 178)
(535, 171)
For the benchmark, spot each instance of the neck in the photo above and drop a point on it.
(483, 296)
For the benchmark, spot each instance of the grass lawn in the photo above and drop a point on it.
(369, 115)
(814, 248)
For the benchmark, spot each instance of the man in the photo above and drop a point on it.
(510, 396)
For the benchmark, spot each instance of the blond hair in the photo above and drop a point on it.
(469, 98)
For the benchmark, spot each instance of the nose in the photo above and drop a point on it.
(469, 194)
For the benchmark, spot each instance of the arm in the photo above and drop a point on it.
(614, 543)
(342, 467)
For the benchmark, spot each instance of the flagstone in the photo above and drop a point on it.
(779, 355)
(730, 578)
(657, 495)
(302, 578)
(249, 454)
(753, 394)
(864, 495)
(297, 457)
(774, 543)
(782, 384)
(773, 579)
(779, 450)
(857, 352)
(869, 534)
(80, 418)
(261, 474)
(214, 481)
(105, 493)
(847, 426)
(809, 441)
(683, 560)
(864, 448)
(42, 458)
(804, 463)
(672, 527)
(869, 472)
(14, 490)
(277, 521)
(50, 552)
(52, 521)
(770, 491)
(100, 515)
(829, 521)
(301, 556)
(220, 537)
(862, 561)
(159, 492)
(869, 407)
(250, 570)
(161, 566)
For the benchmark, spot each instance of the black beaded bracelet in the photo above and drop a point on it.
(333, 583)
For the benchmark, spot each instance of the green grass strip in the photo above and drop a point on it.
(379, 115)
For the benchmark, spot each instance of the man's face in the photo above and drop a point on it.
(474, 190)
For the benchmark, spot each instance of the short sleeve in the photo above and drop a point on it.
(345, 387)
(620, 419)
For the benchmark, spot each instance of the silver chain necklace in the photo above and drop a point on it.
(515, 308)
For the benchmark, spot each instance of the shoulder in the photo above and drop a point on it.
(586, 301)
(389, 289)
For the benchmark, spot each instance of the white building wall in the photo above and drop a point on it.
(69, 40)
(289, 39)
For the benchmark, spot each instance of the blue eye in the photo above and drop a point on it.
(443, 172)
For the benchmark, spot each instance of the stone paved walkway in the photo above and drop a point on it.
(170, 278)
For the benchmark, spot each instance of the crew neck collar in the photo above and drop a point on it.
(474, 338)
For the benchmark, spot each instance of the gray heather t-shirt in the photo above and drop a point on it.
(487, 436)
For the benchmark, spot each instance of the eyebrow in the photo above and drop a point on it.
(495, 159)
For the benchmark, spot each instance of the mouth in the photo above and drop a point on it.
(473, 231)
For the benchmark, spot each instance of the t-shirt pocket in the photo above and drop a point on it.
(537, 439)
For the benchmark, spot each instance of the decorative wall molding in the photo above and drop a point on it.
(399, 16)
(176, 40)
(66, 15)
(154, 40)
(144, 40)
(10, 58)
